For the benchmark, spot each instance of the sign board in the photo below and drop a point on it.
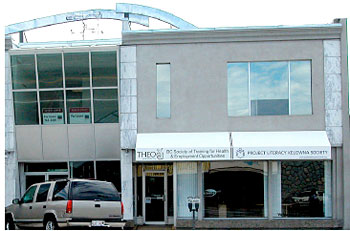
(79, 115)
(290, 145)
(280, 153)
(52, 116)
(182, 154)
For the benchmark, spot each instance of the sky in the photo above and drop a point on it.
(203, 14)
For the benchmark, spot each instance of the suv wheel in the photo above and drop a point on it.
(50, 224)
(9, 225)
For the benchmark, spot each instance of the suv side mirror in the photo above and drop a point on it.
(15, 201)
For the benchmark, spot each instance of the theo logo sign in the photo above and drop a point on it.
(240, 153)
(157, 155)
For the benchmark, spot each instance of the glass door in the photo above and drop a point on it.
(155, 194)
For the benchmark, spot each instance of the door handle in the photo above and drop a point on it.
(44, 206)
(97, 205)
(30, 207)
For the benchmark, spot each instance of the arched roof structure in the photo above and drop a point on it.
(125, 12)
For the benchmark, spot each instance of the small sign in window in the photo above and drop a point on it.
(79, 115)
(53, 116)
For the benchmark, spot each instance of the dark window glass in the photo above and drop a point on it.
(29, 195)
(60, 191)
(52, 107)
(42, 193)
(303, 188)
(50, 70)
(46, 167)
(76, 68)
(270, 107)
(82, 169)
(109, 171)
(86, 190)
(234, 189)
(106, 106)
(30, 180)
(78, 106)
(26, 108)
(23, 72)
(104, 69)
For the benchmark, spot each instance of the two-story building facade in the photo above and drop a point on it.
(254, 122)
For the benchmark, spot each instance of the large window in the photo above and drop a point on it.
(50, 70)
(269, 88)
(235, 189)
(305, 189)
(26, 108)
(109, 171)
(163, 90)
(106, 106)
(23, 72)
(65, 86)
(52, 107)
(82, 169)
(187, 186)
(76, 69)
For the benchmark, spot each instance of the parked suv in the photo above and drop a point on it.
(67, 203)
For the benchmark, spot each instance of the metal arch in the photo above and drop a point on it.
(154, 13)
(75, 16)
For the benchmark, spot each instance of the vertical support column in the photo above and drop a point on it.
(128, 124)
(11, 163)
(127, 183)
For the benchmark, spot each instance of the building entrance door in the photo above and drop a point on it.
(155, 197)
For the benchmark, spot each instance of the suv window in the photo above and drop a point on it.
(98, 190)
(60, 191)
(42, 193)
(29, 195)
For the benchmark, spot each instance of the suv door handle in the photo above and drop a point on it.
(30, 207)
(44, 206)
(97, 205)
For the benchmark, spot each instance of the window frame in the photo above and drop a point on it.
(37, 90)
(249, 87)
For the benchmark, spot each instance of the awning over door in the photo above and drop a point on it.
(183, 146)
(281, 145)
(298, 145)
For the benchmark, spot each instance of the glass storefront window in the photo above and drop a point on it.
(76, 69)
(303, 189)
(109, 171)
(106, 106)
(52, 107)
(23, 72)
(50, 70)
(82, 169)
(104, 69)
(25, 108)
(235, 189)
(78, 106)
(187, 186)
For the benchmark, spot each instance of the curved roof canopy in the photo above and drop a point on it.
(125, 12)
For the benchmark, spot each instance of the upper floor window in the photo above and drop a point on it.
(163, 90)
(65, 87)
(269, 88)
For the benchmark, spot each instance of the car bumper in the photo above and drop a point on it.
(118, 223)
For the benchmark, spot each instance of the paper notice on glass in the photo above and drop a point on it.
(53, 116)
(79, 115)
